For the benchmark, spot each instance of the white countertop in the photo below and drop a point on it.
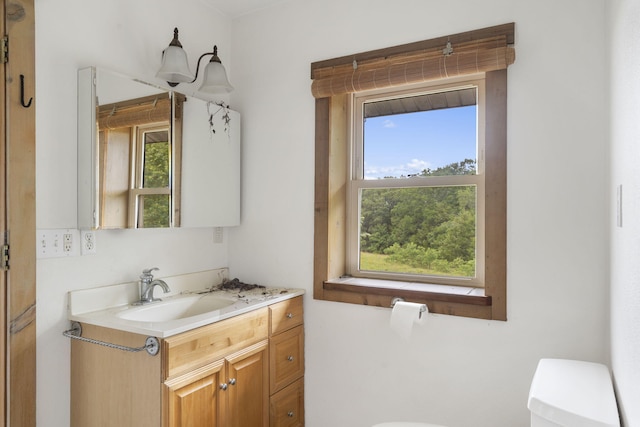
(102, 306)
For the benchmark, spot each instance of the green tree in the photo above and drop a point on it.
(426, 227)
(157, 208)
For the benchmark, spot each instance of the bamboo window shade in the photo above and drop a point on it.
(473, 52)
(135, 112)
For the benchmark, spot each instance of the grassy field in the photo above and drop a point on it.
(380, 262)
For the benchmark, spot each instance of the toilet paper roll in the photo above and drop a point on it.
(405, 315)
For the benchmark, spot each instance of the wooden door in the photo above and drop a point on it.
(17, 214)
(248, 390)
(197, 399)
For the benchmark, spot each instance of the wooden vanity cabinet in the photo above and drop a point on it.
(218, 374)
(230, 392)
(286, 371)
(245, 371)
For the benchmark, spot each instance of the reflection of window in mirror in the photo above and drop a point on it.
(138, 161)
(149, 198)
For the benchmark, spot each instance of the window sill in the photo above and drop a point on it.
(440, 299)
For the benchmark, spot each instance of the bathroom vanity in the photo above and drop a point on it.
(243, 369)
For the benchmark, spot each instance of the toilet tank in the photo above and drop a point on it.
(571, 393)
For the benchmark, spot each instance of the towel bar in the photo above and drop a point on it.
(151, 345)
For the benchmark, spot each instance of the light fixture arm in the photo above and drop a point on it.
(213, 59)
(175, 69)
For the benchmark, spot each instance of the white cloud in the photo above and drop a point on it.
(417, 165)
(414, 166)
(388, 124)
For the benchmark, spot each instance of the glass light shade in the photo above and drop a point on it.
(215, 79)
(175, 67)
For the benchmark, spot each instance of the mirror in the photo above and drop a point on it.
(151, 158)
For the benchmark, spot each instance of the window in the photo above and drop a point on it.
(140, 147)
(415, 208)
(371, 225)
(150, 197)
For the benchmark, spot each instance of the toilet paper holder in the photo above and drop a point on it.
(423, 307)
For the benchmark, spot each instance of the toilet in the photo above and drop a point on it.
(572, 393)
(564, 393)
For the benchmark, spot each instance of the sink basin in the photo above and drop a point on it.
(176, 308)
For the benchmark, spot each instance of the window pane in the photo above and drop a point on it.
(417, 135)
(154, 211)
(420, 230)
(157, 160)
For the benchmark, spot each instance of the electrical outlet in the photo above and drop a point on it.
(87, 242)
(67, 242)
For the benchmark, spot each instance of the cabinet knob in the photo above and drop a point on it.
(290, 414)
(223, 386)
(232, 381)
(289, 315)
(290, 358)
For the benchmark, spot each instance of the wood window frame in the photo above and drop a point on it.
(332, 129)
(357, 182)
(138, 191)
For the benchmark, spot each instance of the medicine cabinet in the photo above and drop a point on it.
(150, 158)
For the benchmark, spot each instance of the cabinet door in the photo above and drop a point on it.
(197, 399)
(248, 390)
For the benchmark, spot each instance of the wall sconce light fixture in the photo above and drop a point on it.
(175, 69)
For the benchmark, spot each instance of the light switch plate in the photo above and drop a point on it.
(56, 243)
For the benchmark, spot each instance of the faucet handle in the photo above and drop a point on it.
(147, 273)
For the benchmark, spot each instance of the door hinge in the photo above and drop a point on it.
(4, 262)
(4, 49)
(4, 256)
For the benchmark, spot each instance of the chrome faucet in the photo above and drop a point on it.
(147, 283)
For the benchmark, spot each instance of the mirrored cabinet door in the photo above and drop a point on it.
(150, 158)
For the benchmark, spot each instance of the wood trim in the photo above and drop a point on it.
(384, 301)
(176, 174)
(20, 205)
(328, 235)
(321, 217)
(338, 179)
(3, 229)
(505, 29)
(496, 192)
(410, 294)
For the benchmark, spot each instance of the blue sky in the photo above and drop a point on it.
(404, 144)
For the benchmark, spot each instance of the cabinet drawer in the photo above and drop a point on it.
(192, 349)
(287, 406)
(285, 315)
(286, 354)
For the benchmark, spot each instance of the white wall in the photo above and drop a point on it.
(625, 171)
(128, 37)
(456, 372)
